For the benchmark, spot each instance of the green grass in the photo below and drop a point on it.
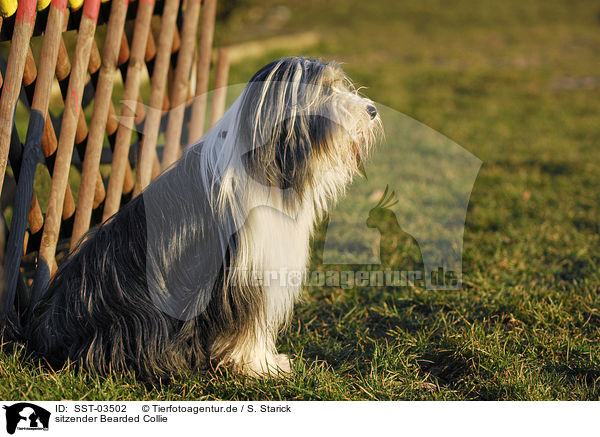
(515, 83)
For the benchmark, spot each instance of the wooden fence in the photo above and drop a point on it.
(172, 40)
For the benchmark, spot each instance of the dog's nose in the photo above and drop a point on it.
(372, 110)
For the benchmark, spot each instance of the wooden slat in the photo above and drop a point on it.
(159, 82)
(141, 36)
(102, 102)
(48, 146)
(207, 27)
(62, 164)
(14, 74)
(179, 92)
(29, 82)
(24, 209)
(220, 93)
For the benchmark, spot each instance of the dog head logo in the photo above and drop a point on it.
(26, 416)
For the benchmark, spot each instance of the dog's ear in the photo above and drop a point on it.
(293, 153)
(282, 159)
(287, 161)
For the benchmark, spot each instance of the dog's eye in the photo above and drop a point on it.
(372, 110)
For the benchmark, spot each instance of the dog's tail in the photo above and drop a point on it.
(10, 328)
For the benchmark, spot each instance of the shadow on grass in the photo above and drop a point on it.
(449, 367)
(576, 374)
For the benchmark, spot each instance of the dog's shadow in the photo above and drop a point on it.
(398, 249)
(353, 338)
(350, 329)
(354, 345)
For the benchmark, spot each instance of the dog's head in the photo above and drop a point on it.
(303, 126)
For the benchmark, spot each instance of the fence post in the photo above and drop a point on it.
(62, 164)
(220, 93)
(102, 101)
(157, 93)
(141, 35)
(207, 28)
(19, 46)
(180, 83)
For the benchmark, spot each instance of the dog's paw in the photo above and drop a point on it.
(277, 366)
(283, 364)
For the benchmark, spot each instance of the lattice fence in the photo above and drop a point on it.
(170, 39)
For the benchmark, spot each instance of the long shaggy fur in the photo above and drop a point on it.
(168, 284)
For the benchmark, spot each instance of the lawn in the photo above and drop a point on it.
(516, 84)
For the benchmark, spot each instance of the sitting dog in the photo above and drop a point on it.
(179, 277)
